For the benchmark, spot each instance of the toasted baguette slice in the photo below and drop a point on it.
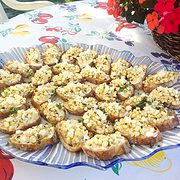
(52, 111)
(138, 132)
(159, 117)
(79, 105)
(42, 94)
(71, 90)
(42, 76)
(8, 79)
(167, 96)
(9, 105)
(61, 67)
(86, 58)
(52, 54)
(71, 55)
(162, 78)
(94, 75)
(19, 68)
(65, 77)
(72, 134)
(33, 58)
(104, 92)
(113, 110)
(123, 87)
(136, 75)
(24, 90)
(105, 147)
(103, 62)
(96, 121)
(118, 68)
(23, 120)
(34, 138)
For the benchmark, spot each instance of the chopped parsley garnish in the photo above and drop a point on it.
(13, 111)
(103, 110)
(121, 89)
(80, 120)
(59, 106)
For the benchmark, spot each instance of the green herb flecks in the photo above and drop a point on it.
(121, 89)
(13, 111)
(103, 110)
(59, 106)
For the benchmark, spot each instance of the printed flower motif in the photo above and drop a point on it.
(141, 1)
(164, 6)
(152, 20)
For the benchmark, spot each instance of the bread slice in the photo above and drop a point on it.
(138, 132)
(52, 111)
(72, 134)
(23, 120)
(79, 105)
(34, 138)
(113, 110)
(71, 90)
(96, 121)
(104, 92)
(136, 75)
(51, 54)
(42, 76)
(86, 58)
(106, 147)
(19, 68)
(8, 79)
(10, 105)
(103, 62)
(24, 90)
(123, 87)
(71, 55)
(170, 97)
(33, 58)
(94, 75)
(162, 78)
(42, 94)
(61, 67)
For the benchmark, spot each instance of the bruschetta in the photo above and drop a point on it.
(72, 134)
(42, 94)
(19, 68)
(34, 138)
(86, 58)
(136, 75)
(52, 111)
(24, 90)
(123, 88)
(51, 54)
(161, 78)
(71, 55)
(104, 92)
(42, 76)
(113, 110)
(71, 90)
(138, 132)
(96, 121)
(61, 67)
(103, 62)
(118, 68)
(33, 57)
(22, 120)
(79, 105)
(10, 105)
(8, 79)
(106, 147)
(170, 97)
(65, 77)
(94, 75)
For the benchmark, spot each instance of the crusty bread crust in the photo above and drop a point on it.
(64, 143)
(107, 154)
(78, 112)
(33, 147)
(97, 81)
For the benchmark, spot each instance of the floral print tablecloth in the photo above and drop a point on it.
(86, 22)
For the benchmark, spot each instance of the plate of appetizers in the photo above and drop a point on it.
(71, 105)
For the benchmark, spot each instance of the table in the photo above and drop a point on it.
(86, 22)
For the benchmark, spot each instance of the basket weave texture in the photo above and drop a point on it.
(170, 43)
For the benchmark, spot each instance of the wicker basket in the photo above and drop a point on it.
(170, 43)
